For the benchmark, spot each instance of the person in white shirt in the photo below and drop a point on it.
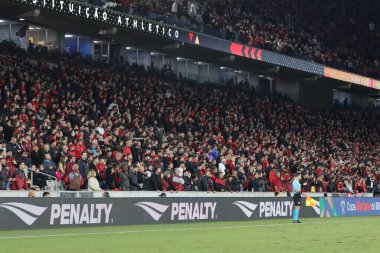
(175, 7)
(222, 166)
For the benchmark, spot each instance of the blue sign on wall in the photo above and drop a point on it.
(332, 207)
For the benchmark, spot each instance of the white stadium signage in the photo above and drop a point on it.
(69, 214)
(181, 211)
(270, 209)
(106, 16)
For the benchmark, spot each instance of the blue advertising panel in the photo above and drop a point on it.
(349, 206)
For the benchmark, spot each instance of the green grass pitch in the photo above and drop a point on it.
(354, 234)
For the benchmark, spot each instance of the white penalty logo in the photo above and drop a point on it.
(153, 209)
(26, 212)
(246, 207)
(181, 211)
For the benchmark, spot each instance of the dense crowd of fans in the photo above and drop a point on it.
(342, 34)
(104, 129)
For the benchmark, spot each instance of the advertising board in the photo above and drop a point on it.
(21, 213)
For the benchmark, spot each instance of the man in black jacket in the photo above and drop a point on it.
(155, 180)
(233, 183)
(257, 184)
(191, 165)
(133, 181)
(205, 183)
(124, 177)
(376, 191)
(84, 168)
(188, 185)
(4, 177)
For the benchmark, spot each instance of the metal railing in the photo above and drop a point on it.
(55, 188)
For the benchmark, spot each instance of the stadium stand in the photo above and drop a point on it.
(141, 130)
(310, 30)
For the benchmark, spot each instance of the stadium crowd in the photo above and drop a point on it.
(341, 34)
(105, 129)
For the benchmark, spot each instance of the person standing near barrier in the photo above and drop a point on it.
(84, 168)
(296, 190)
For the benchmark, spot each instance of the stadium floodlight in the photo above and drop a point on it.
(69, 35)
(2, 20)
(21, 19)
(128, 48)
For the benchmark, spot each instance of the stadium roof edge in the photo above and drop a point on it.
(195, 43)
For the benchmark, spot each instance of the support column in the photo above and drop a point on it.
(108, 52)
(10, 31)
(61, 41)
(46, 36)
(186, 68)
(78, 44)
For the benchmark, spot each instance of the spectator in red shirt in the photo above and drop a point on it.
(79, 149)
(276, 184)
(220, 183)
(19, 181)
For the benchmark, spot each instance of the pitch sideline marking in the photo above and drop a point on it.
(176, 229)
